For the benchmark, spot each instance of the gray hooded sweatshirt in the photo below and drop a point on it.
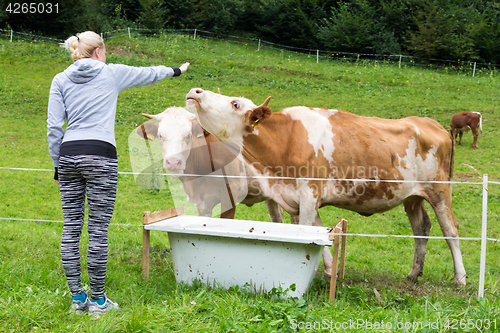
(85, 96)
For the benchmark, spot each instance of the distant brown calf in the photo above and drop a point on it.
(465, 121)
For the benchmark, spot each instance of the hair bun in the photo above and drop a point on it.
(82, 45)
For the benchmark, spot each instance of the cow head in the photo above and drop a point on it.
(228, 118)
(178, 131)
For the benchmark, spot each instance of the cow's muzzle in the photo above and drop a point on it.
(194, 96)
(173, 165)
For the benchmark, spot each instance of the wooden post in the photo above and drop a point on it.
(148, 218)
(333, 279)
(342, 252)
(340, 227)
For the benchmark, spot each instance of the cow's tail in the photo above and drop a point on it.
(452, 163)
(481, 123)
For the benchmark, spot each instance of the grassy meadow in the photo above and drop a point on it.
(34, 296)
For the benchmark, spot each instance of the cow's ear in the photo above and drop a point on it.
(147, 131)
(253, 117)
(199, 131)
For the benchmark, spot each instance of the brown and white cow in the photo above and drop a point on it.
(330, 157)
(188, 149)
(465, 121)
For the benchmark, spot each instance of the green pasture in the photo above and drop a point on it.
(33, 293)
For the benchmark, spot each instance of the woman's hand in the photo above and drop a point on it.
(184, 67)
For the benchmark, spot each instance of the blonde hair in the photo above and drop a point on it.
(82, 45)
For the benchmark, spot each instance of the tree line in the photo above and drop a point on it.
(466, 30)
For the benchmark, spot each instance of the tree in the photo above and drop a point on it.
(358, 27)
(291, 22)
(59, 23)
(72, 16)
(488, 35)
(220, 16)
(130, 10)
(177, 13)
(152, 15)
(445, 31)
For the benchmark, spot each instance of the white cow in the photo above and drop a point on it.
(188, 149)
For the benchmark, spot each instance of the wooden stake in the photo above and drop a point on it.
(148, 218)
(333, 280)
(340, 227)
(342, 252)
(162, 214)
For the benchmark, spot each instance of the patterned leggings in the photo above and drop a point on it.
(96, 177)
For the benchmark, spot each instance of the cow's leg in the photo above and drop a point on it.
(475, 133)
(308, 215)
(460, 134)
(454, 135)
(204, 212)
(449, 226)
(327, 255)
(308, 204)
(420, 225)
(327, 262)
(294, 219)
(275, 211)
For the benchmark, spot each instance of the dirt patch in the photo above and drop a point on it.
(465, 176)
(406, 288)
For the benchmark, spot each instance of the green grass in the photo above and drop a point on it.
(33, 293)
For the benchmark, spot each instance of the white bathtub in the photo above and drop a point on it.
(261, 255)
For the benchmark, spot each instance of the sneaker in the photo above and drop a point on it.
(96, 309)
(78, 307)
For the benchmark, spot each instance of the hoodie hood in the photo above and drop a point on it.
(84, 70)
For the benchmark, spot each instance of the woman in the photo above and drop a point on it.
(84, 156)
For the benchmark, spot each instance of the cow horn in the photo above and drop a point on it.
(148, 116)
(218, 89)
(265, 102)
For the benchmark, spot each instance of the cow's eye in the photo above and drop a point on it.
(188, 137)
(236, 105)
(160, 137)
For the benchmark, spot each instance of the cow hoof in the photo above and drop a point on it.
(412, 278)
(460, 282)
(414, 274)
(327, 276)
